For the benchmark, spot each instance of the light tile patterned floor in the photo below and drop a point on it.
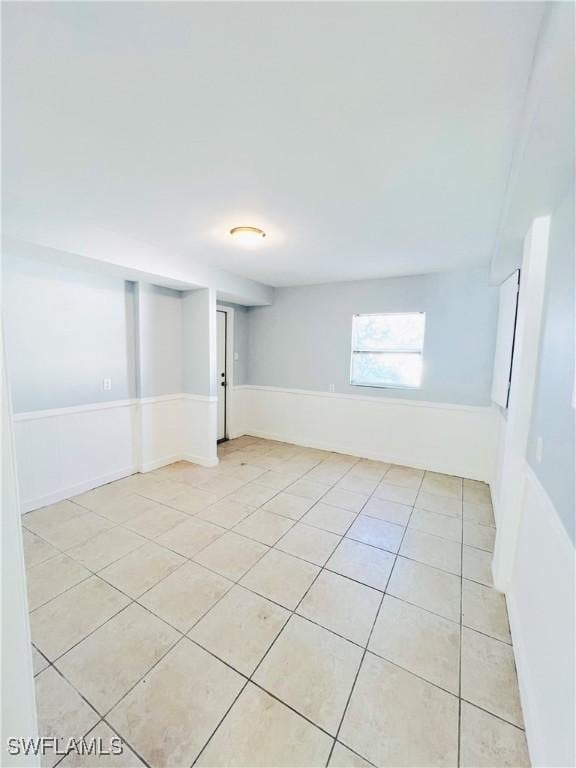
(290, 607)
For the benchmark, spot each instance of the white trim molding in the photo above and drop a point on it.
(454, 439)
(63, 452)
(541, 607)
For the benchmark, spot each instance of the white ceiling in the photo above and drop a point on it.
(368, 139)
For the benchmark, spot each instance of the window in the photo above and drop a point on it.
(387, 350)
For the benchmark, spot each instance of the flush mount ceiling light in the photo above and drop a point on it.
(247, 235)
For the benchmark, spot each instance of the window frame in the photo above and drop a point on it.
(354, 350)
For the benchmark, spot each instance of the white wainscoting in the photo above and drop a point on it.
(66, 451)
(541, 607)
(454, 439)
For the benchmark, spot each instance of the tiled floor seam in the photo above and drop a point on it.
(250, 679)
(369, 638)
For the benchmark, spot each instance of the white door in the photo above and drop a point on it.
(222, 383)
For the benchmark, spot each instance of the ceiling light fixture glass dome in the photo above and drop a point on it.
(248, 235)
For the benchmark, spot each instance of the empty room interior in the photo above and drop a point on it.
(289, 399)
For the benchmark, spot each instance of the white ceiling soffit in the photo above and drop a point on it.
(367, 139)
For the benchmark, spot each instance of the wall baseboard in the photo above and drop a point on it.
(201, 460)
(75, 490)
(457, 440)
(541, 606)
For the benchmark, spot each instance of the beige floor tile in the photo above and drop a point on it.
(256, 494)
(186, 595)
(222, 486)
(260, 732)
(281, 577)
(278, 481)
(78, 528)
(397, 493)
(105, 665)
(432, 550)
(377, 533)
(155, 521)
(311, 670)
(110, 742)
(308, 489)
(477, 565)
(445, 526)
(121, 508)
(106, 547)
(329, 518)
(42, 520)
(341, 605)
(39, 662)
(422, 718)
(489, 676)
(264, 527)
(170, 714)
(103, 495)
(231, 555)
(52, 577)
(427, 587)
(240, 628)
(444, 505)
(36, 550)
(309, 543)
(190, 537)
(479, 536)
(358, 483)
(488, 742)
(481, 514)
(70, 617)
(476, 492)
(342, 757)
(268, 462)
(141, 569)
(339, 497)
(290, 506)
(226, 513)
(404, 476)
(442, 485)
(390, 511)
(326, 474)
(62, 714)
(361, 562)
(247, 472)
(419, 641)
(484, 609)
(193, 500)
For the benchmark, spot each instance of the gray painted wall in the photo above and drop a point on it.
(161, 339)
(199, 324)
(65, 331)
(302, 340)
(553, 414)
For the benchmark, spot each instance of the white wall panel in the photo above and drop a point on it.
(63, 452)
(453, 439)
(541, 605)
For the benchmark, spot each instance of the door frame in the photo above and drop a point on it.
(229, 311)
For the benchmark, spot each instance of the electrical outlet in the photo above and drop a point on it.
(330, 387)
(106, 384)
(235, 355)
(539, 447)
